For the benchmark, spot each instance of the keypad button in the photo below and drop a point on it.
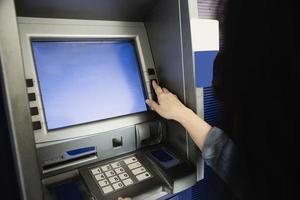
(130, 160)
(114, 179)
(96, 170)
(128, 182)
(110, 173)
(119, 170)
(118, 185)
(138, 170)
(105, 168)
(143, 176)
(115, 165)
(107, 189)
(134, 165)
(123, 176)
(99, 177)
(103, 183)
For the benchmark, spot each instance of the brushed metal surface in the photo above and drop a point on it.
(164, 34)
(16, 104)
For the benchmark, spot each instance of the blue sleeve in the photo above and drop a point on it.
(221, 154)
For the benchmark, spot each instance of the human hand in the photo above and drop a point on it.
(168, 105)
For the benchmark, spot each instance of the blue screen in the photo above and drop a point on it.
(82, 82)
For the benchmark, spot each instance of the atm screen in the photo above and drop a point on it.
(86, 81)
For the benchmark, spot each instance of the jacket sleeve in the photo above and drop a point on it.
(221, 154)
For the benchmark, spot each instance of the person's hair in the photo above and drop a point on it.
(257, 80)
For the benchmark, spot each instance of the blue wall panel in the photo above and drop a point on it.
(204, 61)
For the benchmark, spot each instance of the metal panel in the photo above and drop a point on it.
(164, 33)
(16, 104)
(102, 142)
(187, 13)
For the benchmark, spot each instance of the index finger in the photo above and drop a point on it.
(157, 88)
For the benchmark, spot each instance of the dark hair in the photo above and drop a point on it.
(257, 79)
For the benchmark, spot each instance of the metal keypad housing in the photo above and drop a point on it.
(119, 174)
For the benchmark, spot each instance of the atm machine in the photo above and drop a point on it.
(76, 75)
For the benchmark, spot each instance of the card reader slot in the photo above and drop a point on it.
(68, 163)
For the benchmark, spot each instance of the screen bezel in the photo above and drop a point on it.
(52, 29)
(131, 40)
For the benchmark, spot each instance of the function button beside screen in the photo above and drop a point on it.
(99, 177)
(143, 176)
(115, 165)
(128, 182)
(107, 189)
(110, 173)
(119, 170)
(138, 170)
(105, 168)
(96, 171)
(123, 176)
(31, 97)
(151, 71)
(34, 111)
(134, 165)
(36, 125)
(118, 185)
(103, 183)
(130, 160)
(29, 82)
(114, 179)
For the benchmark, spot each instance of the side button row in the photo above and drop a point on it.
(36, 125)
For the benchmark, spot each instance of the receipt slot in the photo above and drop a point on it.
(75, 94)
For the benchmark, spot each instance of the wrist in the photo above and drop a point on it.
(184, 115)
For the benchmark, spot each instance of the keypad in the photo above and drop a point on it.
(118, 175)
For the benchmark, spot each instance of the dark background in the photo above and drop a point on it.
(8, 179)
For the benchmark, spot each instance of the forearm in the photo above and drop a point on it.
(221, 154)
(196, 127)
